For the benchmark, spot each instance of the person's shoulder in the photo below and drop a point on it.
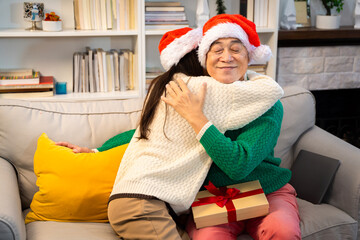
(276, 110)
(200, 79)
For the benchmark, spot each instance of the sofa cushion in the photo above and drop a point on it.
(72, 186)
(299, 116)
(45, 230)
(27, 120)
(324, 221)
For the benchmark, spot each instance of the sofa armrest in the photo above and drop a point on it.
(12, 224)
(344, 192)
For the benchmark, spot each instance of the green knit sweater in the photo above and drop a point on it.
(241, 155)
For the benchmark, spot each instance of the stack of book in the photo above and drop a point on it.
(165, 15)
(259, 68)
(105, 14)
(96, 70)
(151, 73)
(25, 83)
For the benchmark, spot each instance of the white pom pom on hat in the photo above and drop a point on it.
(233, 26)
(175, 44)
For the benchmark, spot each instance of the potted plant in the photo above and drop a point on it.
(329, 21)
(52, 22)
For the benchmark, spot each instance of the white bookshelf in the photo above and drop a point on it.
(268, 35)
(51, 52)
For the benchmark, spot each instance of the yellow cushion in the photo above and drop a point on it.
(73, 187)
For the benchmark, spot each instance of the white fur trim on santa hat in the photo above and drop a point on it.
(178, 48)
(226, 30)
(261, 54)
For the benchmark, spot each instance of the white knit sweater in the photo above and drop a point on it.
(173, 167)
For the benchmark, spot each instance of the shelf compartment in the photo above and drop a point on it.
(65, 33)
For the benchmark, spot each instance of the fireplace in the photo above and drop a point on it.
(326, 62)
(338, 112)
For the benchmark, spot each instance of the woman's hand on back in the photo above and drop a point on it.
(75, 148)
(186, 103)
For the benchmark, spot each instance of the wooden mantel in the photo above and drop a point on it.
(311, 36)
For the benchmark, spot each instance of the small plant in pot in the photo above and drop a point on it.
(329, 21)
(52, 23)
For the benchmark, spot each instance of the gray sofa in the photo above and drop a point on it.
(90, 123)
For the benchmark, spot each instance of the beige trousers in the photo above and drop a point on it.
(145, 219)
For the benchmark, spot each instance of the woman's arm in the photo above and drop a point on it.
(254, 142)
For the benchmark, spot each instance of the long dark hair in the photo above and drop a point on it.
(188, 65)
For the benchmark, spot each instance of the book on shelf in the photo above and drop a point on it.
(102, 11)
(131, 71)
(28, 79)
(93, 14)
(247, 9)
(27, 95)
(160, 4)
(109, 14)
(169, 15)
(91, 70)
(151, 74)
(46, 84)
(168, 23)
(45, 88)
(115, 53)
(165, 9)
(10, 73)
(259, 68)
(110, 72)
(87, 82)
(87, 15)
(97, 70)
(76, 14)
(82, 73)
(261, 9)
(163, 17)
(126, 68)
(165, 26)
(76, 71)
(122, 75)
(101, 69)
(105, 14)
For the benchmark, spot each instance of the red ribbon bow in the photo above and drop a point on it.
(223, 197)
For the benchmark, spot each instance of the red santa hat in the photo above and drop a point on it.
(233, 26)
(176, 44)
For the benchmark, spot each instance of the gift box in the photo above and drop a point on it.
(237, 202)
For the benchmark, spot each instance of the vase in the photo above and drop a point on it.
(327, 22)
(52, 26)
(357, 14)
(202, 12)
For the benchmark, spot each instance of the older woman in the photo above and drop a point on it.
(229, 42)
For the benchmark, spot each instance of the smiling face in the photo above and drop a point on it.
(227, 60)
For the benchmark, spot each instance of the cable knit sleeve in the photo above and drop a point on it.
(118, 140)
(237, 159)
